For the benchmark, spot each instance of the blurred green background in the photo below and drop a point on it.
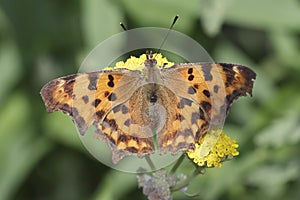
(41, 156)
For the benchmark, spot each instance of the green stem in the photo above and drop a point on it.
(150, 163)
(177, 164)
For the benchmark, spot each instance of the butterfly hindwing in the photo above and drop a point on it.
(126, 134)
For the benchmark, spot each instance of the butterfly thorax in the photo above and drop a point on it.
(151, 72)
(148, 97)
(152, 79)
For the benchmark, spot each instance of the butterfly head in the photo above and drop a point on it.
(150, 61)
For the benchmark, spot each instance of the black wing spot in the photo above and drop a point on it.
(117, 108)
(206, 69)
(216, 88)
(112, 124)
(110, 84)
(206, 93)
(106, 93)
(191, 90)
(184, 102)
(125, 109)
(188, 132)
(201, 114)
(96, 102)
(195, 117)
(122, 138)
(110, 77)
(131, 149)
(100, 114)
(191, 77)
(206, 106)
(85, 99)
(127, 122)
(66, 108)
(179, 117)
(198, 135)
(112, 97)
(93, 82)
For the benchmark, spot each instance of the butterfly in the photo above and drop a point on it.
(156, 107)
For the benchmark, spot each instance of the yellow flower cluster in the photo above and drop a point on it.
(135, 63)
(214, 148)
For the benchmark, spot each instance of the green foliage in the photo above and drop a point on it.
(41, 156)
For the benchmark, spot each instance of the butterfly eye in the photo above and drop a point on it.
(150, 61)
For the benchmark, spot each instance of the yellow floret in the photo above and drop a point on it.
(134, 63)
(214, 148)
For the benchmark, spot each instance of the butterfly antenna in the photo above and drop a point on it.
(168, 33)
(123, 26)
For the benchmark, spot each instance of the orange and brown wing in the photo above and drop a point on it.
(94, 99)
(85, 97)
(214, 86)
(204, 94)
(127, 129)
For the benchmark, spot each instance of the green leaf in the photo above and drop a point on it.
(266, 15)
(19, 149)
(286, 48)
(281, 132)
(213, 14)
(10, 68)
(115, 185)
(153, 13)
(100, 20)
(273, 179)
(60, 127)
